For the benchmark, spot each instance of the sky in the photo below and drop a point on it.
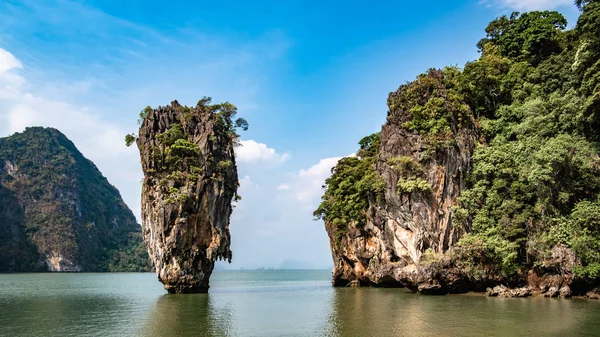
(311, 78)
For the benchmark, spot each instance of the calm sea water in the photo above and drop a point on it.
(270, 303)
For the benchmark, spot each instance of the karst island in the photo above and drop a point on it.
(190, 182)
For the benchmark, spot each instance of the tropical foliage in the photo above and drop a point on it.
(534, 93)
(536, 179)
(353, 183)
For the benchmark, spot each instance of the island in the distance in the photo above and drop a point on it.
(190, 181)
(482, 178)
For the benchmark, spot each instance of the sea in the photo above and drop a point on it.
(270, 303)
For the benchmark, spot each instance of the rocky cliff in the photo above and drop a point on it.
(190, 180)
(481, 177)
(57, 211)
(422, 176)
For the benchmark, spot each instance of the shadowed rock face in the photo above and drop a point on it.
(190, 179)
(401, 226)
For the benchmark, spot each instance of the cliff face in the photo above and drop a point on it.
(423, 177)
(190, 181)
(57, 211)
(483, 178)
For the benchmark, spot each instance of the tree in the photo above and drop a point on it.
(129, 139)
(482, 81)
(582, 3)
(224, 113)
(589, 22)
(241, 123)
(369, 145)
(353, 183)
(528, 37)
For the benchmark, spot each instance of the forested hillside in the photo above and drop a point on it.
(59, 213)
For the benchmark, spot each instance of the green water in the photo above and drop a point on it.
(270, 303)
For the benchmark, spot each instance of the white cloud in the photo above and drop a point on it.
(98, 140)
(245, 184)
(251, 151)
(529, 5)
(245, 181)
(10, 81)
(307, 185)
(283, 187)
(94, 135)
(90, 81)
(8, 62)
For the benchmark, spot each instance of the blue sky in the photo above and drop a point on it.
(311, 78)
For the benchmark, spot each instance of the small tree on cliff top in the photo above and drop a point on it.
(225, 113)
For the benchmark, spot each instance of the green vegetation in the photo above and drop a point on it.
(530, 37)
(131, 258)
(430, 257)
(535, 182)
(175, 160)
(175, 155)
(434, 101)
(353, 183)
(534, 94)
(224, 113)
(17, 252)
(144, 114)
(55, 201)
(129, 139)
(174, 133)
(411, 176)
(224, 165)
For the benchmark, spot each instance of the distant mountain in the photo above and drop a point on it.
(301, 265)
(59, 213)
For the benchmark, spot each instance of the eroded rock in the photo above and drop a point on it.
(414, 213)
(190, 179)
(504, 291)
(593, 294)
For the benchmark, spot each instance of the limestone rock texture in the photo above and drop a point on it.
(400, 227)
(190, 179)
(409, 238)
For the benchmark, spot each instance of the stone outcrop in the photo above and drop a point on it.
(593, 294)
(504, 291)
(190, 179)
(553, 279)
(402, 226)
(408, 237)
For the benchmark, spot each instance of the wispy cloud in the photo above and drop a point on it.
(250, 151)
(306, 185)
(75, 52)
(10, 81)
(73, 67)
(8, 62)
(96, 138)
(527, 5)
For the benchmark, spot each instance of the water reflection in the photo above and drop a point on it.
(188, 315)
(63, 315)
(270, 304)
(392, 312)
(247, 304)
